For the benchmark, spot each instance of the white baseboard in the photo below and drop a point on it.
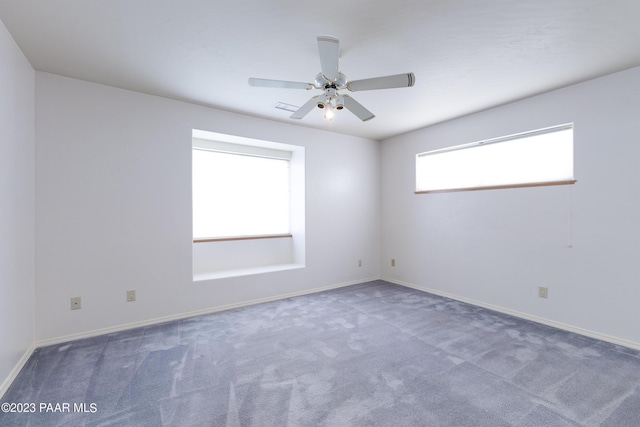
(180, 316)
(16, 370)
(23, 360)
(570, 328)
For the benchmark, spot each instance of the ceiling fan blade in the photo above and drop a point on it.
(279, 84)
(386, 82)
(306, 108)
(329, 48)
(356, 108)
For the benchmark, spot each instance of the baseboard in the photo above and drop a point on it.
(16, 370)
(154, 321)
(569, 328)
(25, 357)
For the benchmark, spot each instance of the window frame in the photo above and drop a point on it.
(503, 139)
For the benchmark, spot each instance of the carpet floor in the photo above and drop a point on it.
(374, 354)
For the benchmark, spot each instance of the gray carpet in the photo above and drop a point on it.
(373, 354)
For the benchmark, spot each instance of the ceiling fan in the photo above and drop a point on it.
(330, 80)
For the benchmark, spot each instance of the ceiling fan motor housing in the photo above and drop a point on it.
(322, 81)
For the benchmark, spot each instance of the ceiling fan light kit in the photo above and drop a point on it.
(330, 80)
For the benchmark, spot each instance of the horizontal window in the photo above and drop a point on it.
(536, 158)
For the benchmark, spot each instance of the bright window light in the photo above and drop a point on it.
(542, 157)
(238, 195)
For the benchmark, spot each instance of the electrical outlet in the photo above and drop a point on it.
(131, 295)
(76, 303)
(393, 262)
(359, 263)
(543, 291)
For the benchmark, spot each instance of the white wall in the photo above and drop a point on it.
(113, 192)
(496, 247)
(16, 206)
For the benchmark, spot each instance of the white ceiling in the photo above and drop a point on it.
(467, 55)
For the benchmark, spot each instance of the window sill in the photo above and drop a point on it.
(231, 238)
(200, 277)
(499, 187)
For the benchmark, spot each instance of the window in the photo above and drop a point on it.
(248, 206)
(536, 158)
(239, 191)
